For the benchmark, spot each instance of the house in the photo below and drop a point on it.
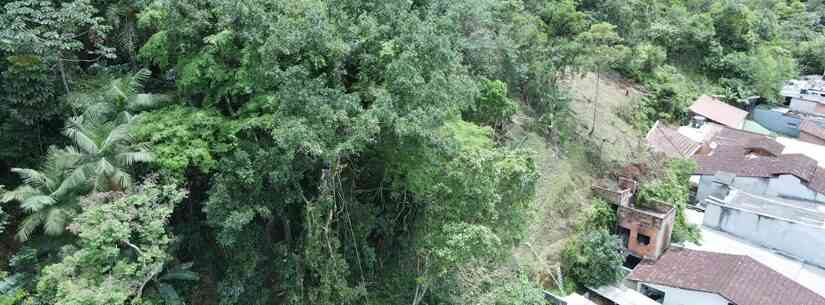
(759, 165)
(645, 229)
(669, 142)
(683, 276)
(719, 112)
(778, 119)
(812, 131)
(806, 95)
(792, 227)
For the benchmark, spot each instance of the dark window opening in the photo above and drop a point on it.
(625, 234)
(653, 293)
(642, 239)
(631, 261)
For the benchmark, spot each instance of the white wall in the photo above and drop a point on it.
(797, 240)
(677, 296)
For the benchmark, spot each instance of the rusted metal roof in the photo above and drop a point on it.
(669, 141)
(718, 111)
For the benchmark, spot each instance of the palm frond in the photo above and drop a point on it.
(75, 180)
(121, 179)
(56, 221)
(80, 136)
(19, 194)
(30, 225)
(33, 177)
(138, 79)
(104, 168)
(118, 135)
(132, 157)
(37, 203)
(146, 101)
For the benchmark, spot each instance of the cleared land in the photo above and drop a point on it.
(564, 189)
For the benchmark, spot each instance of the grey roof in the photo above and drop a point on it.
(798, 211)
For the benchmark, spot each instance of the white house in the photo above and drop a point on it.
(691, 277)
(806, 95)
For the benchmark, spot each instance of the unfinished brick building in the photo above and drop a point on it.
(645, 229)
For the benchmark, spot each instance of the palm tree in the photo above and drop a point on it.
(120, 99)
(50, 196)
(106, 152)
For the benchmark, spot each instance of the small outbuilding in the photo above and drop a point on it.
(718, 111)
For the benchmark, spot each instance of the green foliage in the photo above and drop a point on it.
(599, 216)
(48, 196)
(105, 150)
(123, 244)
(181, 138)
(334, 149)
(674, 188)
(494, 107)
(593, 259)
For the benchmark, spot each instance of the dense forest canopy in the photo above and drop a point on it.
(325, 152)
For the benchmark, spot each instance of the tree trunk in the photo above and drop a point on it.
(63, 75)
(595, 101)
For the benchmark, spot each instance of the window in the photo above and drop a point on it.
(625, 234)
(642, 239)
(653, 293)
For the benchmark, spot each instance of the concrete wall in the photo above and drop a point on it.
(753, 185)
(781, 186)
(789, 186)
(777, 122)
(806, 106)
(798, 240)
(677, 296)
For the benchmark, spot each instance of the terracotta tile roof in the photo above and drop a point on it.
(738, 278)
(766, 144)
(729, 160)
(813, 127)
(669, 141)
(731, 155)
(718, 111)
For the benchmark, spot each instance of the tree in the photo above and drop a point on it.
(674, 188)
(603, 47)
(599, 216)
(120, 100)
(49, 196)
(494, 107)
(105, 152)
(593, 259)
(123, 245)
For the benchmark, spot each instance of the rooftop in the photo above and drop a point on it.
(622, 295)
(793, 88)
(738, 278)
(805, 274)
(669, 141)
(713, 108)
(803, 212)
(733, 152)
(813, 127)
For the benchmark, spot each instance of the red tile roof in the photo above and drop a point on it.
(669, 141)
(718, 111)
(813, 127)
(738, 278)
(732, 155)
